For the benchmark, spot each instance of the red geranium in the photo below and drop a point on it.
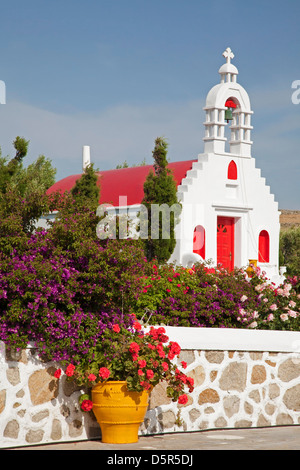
(57, 373)
(86, 405)
(134, 348)
(183, 399)
(137, 326)
(150, 374)
(104, 373)
(70, 370)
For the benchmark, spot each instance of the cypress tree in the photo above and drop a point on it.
(160, 189)
(86, 191)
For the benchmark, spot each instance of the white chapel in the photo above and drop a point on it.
(229, 215)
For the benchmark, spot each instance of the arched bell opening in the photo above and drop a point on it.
(231, 120)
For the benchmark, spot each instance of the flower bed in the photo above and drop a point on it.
(206, 297)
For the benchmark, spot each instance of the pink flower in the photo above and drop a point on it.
(116, 328)
(243, 298)
(183, 399)
(70, 370)
(284, 317)
(270, 317)
(292, 313)
(273, 307)
(104, 373)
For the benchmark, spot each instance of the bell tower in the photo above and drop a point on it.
(228, 104)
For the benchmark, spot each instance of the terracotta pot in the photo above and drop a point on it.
(118, 411)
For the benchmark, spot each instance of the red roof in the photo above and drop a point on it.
(127, 182)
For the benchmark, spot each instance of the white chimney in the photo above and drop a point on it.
(86, 157)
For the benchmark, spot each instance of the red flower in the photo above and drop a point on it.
(137, 326)
(142, 363)
(104, 373)
(140, 372)
(145, 385)
(175, 348)
(165, 366)
(190, 383)
(70, 370)
(57, 373)
(134, 348)
(92, 377)
(150, 374)
(184, 364)
(116, 328)
(86, 405)
(171, 355)
(183, 399)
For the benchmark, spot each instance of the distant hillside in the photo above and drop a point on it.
(289, 219)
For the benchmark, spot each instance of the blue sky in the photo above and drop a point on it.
(116, 74)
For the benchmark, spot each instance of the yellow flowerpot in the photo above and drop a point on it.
(250, 270)
(118, 411)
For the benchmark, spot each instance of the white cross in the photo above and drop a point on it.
(228, 54)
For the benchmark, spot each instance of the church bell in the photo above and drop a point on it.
(228, 114)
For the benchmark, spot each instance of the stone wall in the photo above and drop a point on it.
(233, 388)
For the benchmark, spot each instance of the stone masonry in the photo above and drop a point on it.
(232, 389)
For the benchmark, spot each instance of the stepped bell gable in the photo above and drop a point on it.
(227, 205)
(228, 214)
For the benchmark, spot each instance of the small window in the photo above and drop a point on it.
(199, 241)
(264, 247)
(232, 171)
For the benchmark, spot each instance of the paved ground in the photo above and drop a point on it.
(277, 438)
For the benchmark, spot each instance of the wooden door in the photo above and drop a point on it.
(225, 242)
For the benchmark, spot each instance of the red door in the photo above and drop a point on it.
(225, 242)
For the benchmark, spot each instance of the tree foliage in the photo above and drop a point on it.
(160, 189)
(86, 190)
(9, 168)
(23, 192)
(290, 250)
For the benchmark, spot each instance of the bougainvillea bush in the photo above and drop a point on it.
(61, 288)
(207, 297)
